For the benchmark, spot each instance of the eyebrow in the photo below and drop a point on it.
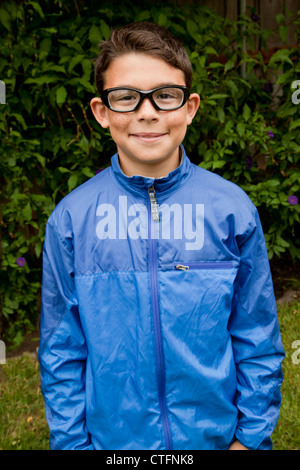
(157, 86)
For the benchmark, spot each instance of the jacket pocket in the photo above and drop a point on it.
(204, 265)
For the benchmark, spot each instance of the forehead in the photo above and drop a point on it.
(142, 71)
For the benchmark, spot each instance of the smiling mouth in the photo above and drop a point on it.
(148, 137)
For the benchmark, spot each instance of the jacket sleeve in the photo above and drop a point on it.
(62, 349)
(256, 342)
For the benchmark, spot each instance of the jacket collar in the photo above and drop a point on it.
(167, 183)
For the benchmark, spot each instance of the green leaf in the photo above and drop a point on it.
(37, 8)
(283, 33)
(75, 61)
(11, 161)
(241, 128)
(43, 80)
(49, 30)
(84, 144)
(210, 50)
(218, 96)
(280, 18)
(294, 124)
(72, 182)
(162, 19)
(27, 212)
(63, 170)
(105, 29)
(45, 45)
(57, 68)
(143, 15)
(5, 19)
(61, 94)
(282, 242)
(246, 112)
(221, 114)
(41, 159)
(88, 172)
(95, 35)
(218, 164)
(284, 78)
(215, 65)
(273, 183)
(71, 44)
(38, 249)
(281, 56)
(191, 27)
(247, 176)
(193, 55)
(230, 63)
(20, 119)
(87, 68)
(84, 84)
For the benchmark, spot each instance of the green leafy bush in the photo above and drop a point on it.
(247, 128)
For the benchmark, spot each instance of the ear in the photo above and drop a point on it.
(100, 112)
(192, 107)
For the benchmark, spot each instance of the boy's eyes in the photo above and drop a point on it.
(124, 96)
(161, 96)
(164, 98)
(127, 97)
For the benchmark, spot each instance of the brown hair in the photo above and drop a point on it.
(145, 38)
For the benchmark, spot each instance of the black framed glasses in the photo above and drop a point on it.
(164, 98)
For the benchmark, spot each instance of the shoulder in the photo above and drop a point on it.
(79, 201)
(221, 190)
(225, 203)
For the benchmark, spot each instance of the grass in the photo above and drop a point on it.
(23, 423)
(286, 435)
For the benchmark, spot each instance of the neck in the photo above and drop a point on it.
(158, 169)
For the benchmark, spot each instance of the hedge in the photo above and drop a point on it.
(247, 128)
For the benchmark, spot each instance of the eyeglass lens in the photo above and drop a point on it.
(127, 100)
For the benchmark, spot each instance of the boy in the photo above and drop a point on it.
(158, 325)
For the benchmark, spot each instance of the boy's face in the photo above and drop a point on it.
(147, 139)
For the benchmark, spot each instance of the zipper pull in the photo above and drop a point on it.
(182, 267)
(153, 203)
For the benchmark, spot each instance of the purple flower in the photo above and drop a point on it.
(268, 87)
(270, 134)
(293, 200)
(254, 17)
(248, 161)
(98, 171)
(21, 261)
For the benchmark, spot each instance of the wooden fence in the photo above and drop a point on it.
(265, 9)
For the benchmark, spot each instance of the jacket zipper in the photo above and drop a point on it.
(153, 217)
(205, 265)
(153, 204)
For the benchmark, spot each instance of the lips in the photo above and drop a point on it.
(148, 137)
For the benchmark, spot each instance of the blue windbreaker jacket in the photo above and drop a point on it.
(158, 323)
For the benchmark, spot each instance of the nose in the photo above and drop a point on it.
(146, 111)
